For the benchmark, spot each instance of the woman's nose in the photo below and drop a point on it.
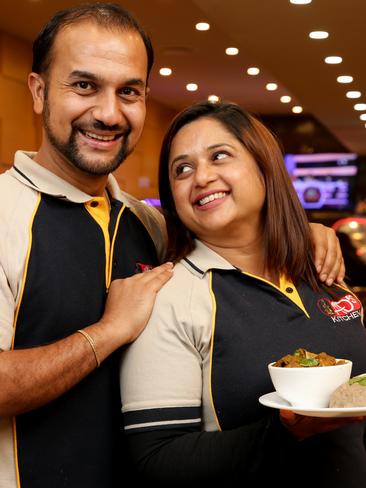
(205, 173)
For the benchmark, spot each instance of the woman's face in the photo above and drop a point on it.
(216, 185)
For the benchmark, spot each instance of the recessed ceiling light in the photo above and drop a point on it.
(165, 71)
(253, 71)
(318, 34)
(300, 2)
(285, 99)
(363, 116)
(271, 86)
(345, 79)
(192, 87)
(360, 106)
(202, 26)
(333, 59)
(297, 109)
(353, 94)
(213, 98)
(232, 51)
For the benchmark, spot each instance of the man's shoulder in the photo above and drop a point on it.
(150, 217)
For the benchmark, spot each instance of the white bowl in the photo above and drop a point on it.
(309, 387)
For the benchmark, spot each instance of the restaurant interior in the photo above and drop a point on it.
(298, 65)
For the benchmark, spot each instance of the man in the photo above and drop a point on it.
(68, 237)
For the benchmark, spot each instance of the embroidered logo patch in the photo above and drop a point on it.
(346, 308)
(141, 267)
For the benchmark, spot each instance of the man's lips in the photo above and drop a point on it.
(206, 198)
(103, 136)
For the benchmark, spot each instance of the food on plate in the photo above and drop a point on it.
(302, 358)
(350, 394)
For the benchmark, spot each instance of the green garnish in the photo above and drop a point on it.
(308, 362)
(361, 380)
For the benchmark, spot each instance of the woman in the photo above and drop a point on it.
(244, 293)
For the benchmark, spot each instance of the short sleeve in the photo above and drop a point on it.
(6, 313)
(161, 372)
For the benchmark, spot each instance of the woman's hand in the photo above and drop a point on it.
(303, 426)
(328, 257)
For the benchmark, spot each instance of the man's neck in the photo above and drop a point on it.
(93, 185)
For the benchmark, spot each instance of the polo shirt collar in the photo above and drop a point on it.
(203, 259)
(32, 174)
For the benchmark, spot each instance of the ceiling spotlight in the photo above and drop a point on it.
(333, 59)
(318, 35)
(353, 94)
(285, 99)
(345, 79)
(213, 98)
(232, 51)
(271, 86)
(297, 109)
(253, 71)
(360, 106)
(300, 2)
(202, 26)
(165, 71)
(192, 87)
(363, 116)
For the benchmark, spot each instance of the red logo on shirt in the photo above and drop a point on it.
(141, 267)
(346, 306)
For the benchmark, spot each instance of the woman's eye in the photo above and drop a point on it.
(220, 155)
(182, 168)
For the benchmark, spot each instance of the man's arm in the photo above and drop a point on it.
(32, 377)
(328, 257)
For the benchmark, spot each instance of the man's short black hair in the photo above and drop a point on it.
(108, 15)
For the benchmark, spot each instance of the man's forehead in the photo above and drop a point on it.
(89, 31)
(87, 44)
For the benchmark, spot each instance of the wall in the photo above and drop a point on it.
(20, 128)
(138, 174)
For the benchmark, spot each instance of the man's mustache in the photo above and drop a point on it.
(99, 125)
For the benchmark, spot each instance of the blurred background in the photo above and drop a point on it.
(296, 64)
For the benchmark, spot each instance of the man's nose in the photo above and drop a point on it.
(108, 109)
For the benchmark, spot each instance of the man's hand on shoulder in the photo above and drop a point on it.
(328, 257)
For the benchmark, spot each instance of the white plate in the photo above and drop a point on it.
(275, 401)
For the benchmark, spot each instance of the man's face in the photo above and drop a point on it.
(94, 98)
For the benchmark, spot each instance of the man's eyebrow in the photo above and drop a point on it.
(76, 74)
(84, 74)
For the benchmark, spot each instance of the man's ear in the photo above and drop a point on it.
(37, 88)
(147, 91)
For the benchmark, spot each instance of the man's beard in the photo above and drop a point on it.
(71, 153)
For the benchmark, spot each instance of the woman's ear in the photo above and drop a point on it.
(37, 87)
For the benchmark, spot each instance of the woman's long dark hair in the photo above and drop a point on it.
(288, 248)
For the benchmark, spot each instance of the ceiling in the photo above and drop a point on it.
(270, 34)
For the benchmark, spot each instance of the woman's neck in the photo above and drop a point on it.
(248, 256)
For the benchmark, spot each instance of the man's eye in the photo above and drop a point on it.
(128, 92)
(84, 85)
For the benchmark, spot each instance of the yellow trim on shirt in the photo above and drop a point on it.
(30, 238)
(284, 285)
(112, 246)
(213, 323)
(98, 208)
